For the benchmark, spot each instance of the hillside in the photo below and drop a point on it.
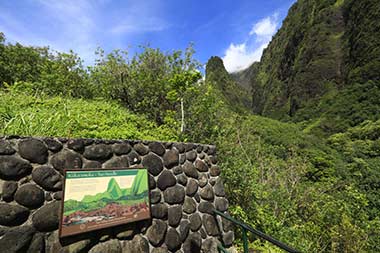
(42, 115)
(323, 49)
(313, 174)
(217, 75)
(303, 167)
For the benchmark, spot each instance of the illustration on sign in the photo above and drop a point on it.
(95, 199)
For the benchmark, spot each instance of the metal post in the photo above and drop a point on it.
(245, 240)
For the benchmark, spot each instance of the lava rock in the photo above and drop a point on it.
(17, 239)
(219, 188)
(159, 211)
(190, 170)
(210, 225)
(47, 177)
(117, 162)
(184, 228)
(124, 231)
(165, 180)
(191, 155)
(92, 165)
(151, 182)
(33, 150)
(153, 163)
(189, 205)
(157, 148)
(58, 195)
(160, 250)
(177, 170)
(221, 204)
(46, 218)
(214, 159)
(76, 247)
(197, 198)
(66, 159)
(53, 145)
(121, 148)
(108, 246)
(172, 240)
(182, 158)
(141, 149)
(201, 166)
(192, 187)
(156, 232)
(12, 215)
(174, 194)
(207, 193)
(30, 195)
(133, 157)
(193, 243)
(174, 215)
(210, 245)
(98, 152)
(202, 180)
(211, 150)
(168, 145)
(13, 167)
(180, 147)
(37, 244)
(137, 245)
(228, 238)
(182, 179)
(206, 207)
(9, 189)
(227, 225)
(6, 148)
(171, 158)
(195, 222)
(189, 146)
(155, 197)
(76, 144)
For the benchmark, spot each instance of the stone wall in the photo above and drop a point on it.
(184, 189)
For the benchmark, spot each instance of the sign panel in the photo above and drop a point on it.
(100, 198)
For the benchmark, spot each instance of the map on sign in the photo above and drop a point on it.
(99, 198)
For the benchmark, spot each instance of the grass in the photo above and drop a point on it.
(40, 115)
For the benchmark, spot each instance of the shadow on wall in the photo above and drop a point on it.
(184, 187)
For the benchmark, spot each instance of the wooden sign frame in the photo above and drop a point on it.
(99, 198)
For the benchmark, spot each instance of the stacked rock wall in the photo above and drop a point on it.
(184, 189)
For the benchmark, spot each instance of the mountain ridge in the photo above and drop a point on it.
(325, 51)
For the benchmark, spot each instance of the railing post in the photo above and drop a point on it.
(245, 240)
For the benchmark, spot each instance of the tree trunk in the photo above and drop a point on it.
(182, 117)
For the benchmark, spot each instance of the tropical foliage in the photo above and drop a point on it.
(310, 180)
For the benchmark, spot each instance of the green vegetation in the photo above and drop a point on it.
(36, 114)
(310, 180)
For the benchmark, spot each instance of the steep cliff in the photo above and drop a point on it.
(323, 49)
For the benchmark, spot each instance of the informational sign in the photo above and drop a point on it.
(99, 198)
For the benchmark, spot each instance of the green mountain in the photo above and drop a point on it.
(325, 53)
(140, 183)
(114, 189)
(113, 192)
(305, 167)
(225, 85)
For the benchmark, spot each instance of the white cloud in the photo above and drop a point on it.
(265, 27)
(139, 17)
(150, 24)
(241, 55)
(82, 25)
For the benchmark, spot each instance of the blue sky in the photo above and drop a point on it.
(236, 30)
